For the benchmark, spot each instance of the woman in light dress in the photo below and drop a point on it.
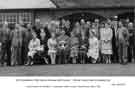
(52, 45)
(106, 43)
(93, 50)
(34, 47)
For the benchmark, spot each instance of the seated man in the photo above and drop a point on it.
(43, 53)
(63, 48)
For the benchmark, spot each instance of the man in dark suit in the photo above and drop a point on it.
(114, 26)
(5, 47)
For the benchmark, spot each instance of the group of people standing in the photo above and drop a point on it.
(60, 42)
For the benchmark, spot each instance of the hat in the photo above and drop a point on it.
(82, 21)
(130, 23)
(37, 20)
(96, 20)
(5, 23)
(115, 18)
(88, 22)
(127, 20)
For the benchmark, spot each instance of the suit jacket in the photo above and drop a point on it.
(4, 36)
(17, 38)
(123, 36)
(63, 42)
(132, 37)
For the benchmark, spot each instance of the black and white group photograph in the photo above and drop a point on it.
(67, 37)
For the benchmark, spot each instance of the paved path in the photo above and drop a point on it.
(70, 70)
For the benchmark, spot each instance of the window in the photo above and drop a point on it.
(13, 18)
(26, 17)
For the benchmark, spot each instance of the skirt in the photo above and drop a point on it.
(32, 53)
(94, 53)
(106, 51)
(51, 51)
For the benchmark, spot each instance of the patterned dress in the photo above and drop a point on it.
(106, 40)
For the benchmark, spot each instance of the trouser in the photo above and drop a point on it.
(16, 56)
(30, 60)
(99, 60)
(115, 54)
(24, 54)
(63, 56)
(122, 52)
(132, 53)
(5, 54)
(82, 57)
(2, 58)
(73, 59)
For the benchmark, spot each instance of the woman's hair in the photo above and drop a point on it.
(34, 33)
